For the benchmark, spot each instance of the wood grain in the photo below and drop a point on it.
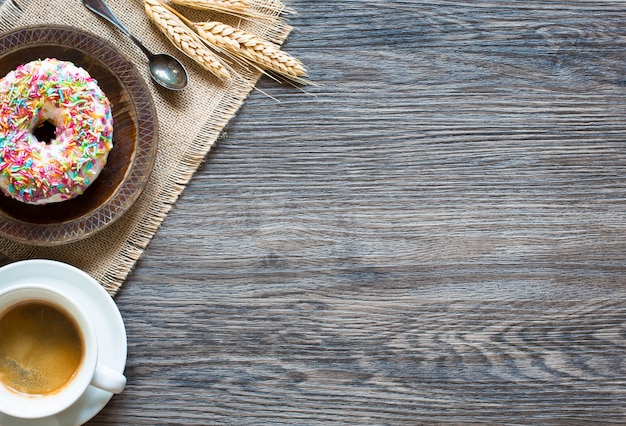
(434, 233)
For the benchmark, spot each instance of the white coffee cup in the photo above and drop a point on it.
(90, 370)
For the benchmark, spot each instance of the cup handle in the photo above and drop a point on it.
(108, 380)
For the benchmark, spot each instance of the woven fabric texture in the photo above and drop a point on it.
(190, 122)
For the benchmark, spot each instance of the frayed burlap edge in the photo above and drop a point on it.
(10, 13)
(124, 260)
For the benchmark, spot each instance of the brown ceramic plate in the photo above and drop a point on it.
(134, 136)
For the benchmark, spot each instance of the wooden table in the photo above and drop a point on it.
(434, 233)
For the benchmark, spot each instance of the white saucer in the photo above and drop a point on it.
(94, 299)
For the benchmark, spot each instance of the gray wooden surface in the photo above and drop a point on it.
(435, 233)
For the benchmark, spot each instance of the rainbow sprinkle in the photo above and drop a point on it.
(37, 172)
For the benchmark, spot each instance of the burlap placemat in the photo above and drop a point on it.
(189, 124)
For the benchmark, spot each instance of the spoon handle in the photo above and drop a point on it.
(99, 7)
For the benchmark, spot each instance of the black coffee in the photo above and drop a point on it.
(41, 348)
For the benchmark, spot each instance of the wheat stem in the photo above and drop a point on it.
(234, 5)
(245, 9)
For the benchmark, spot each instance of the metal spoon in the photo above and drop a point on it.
(164, 69)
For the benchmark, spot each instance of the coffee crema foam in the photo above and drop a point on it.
(41, 348)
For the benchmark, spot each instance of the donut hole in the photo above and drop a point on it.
(45, 131)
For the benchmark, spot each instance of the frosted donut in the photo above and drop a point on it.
(38, 171)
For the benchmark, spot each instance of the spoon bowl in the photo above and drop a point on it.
(168, 72)
(164, 69)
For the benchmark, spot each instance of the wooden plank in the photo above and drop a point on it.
(434, 233)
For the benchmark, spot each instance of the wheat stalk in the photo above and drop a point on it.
(233, 5)
(243, 44)
(245, 9)
(184, 38)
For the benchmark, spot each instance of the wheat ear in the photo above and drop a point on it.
(184, 38)
(243, 44)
